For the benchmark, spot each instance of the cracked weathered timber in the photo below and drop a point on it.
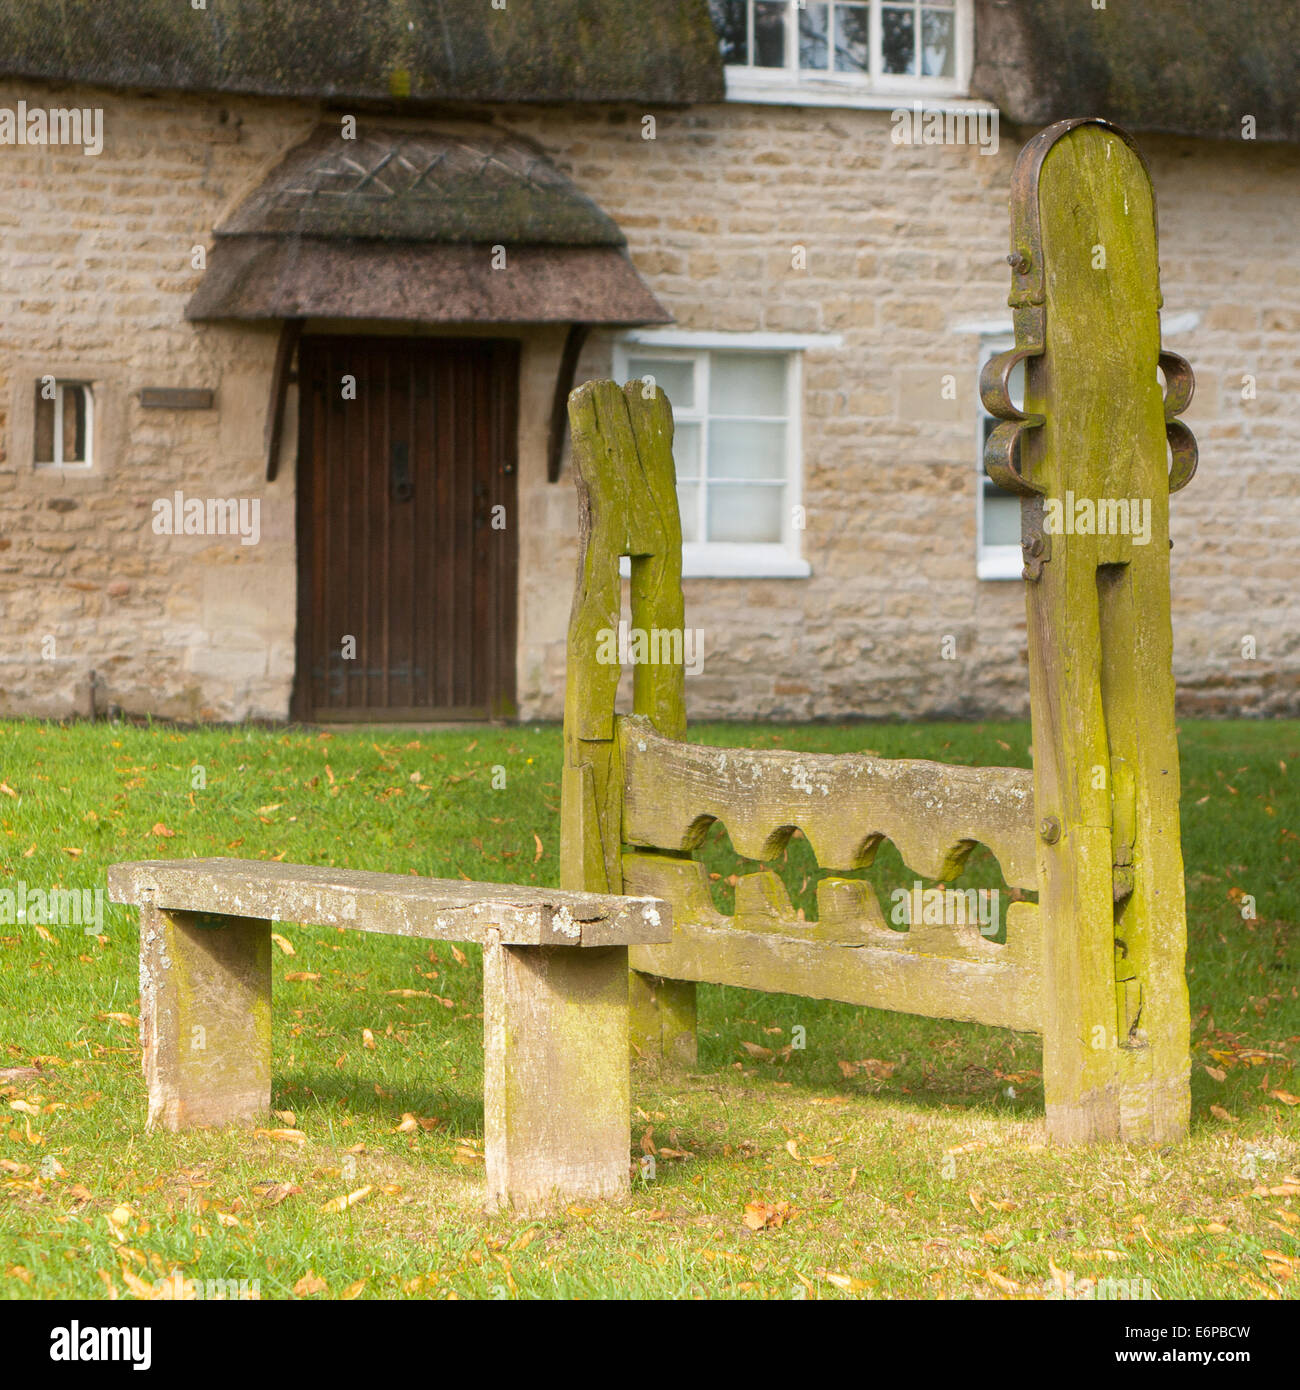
(627, 505)
(845, 804)
(1086, 301)
(556, 1083)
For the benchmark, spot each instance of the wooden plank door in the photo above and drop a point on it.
(407, 528)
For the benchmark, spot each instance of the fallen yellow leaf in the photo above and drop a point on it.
(349, 1200)
(286, 1136)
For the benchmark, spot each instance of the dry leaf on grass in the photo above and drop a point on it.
(349, 1199)
(284, 1136)
(283, 943)
(300, 975)
(412, 1123)
(765, 1216)
(138, 1286)
(1288, 1187)
(310, 1283)
(999, 1282)
(276, 1192)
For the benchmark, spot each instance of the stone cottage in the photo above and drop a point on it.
(291, 297)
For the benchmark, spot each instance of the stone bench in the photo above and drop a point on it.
(555, 1008)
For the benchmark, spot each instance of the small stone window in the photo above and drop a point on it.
(64, 424)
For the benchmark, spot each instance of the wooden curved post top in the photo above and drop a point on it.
(1085, 300)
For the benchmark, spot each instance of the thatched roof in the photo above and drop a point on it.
(399, 224)
(420, 282)
(1191, 67)
(1186, 67)
(456, 183)
(416, 51)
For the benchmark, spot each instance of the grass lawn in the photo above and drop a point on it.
(891, 1157)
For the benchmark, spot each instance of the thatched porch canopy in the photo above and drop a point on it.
(401, 224)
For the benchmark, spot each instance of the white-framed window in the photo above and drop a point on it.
(997, 512)
(838, 50)
(63, 424)
(737, 445)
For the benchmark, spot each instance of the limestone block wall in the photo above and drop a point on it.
(95, 270)
(905, 248)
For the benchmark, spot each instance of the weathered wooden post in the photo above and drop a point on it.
(627, 505)
(1088, 456)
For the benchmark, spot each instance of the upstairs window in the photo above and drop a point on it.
(882, 46)
(64, 424)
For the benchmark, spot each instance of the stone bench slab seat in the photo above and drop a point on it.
(557, 1090)
(439, 909)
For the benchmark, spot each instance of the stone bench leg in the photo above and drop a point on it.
(557, 1086)
(205, 1018)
